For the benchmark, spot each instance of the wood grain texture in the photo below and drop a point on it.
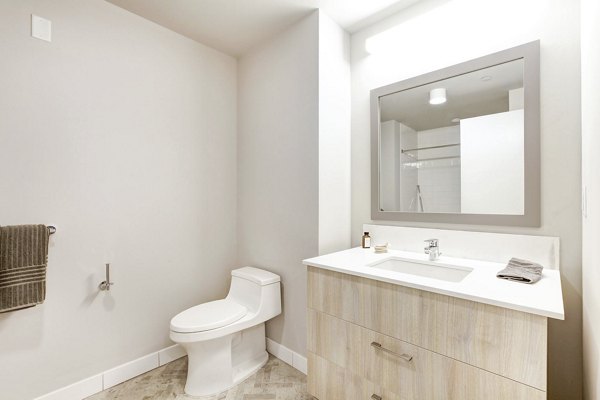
(360, 370)
(329, 381)
(510, 343)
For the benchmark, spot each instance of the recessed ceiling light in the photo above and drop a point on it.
(437, 96)
(486, 78)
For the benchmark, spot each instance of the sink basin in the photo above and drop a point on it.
(428, 269)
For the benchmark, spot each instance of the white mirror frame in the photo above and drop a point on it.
(530, 53)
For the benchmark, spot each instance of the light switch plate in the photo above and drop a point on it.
(41, 28)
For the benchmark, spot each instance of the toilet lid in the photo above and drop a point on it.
(207, 316)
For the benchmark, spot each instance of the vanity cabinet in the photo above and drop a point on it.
(369, 339)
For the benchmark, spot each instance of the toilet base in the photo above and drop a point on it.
(217, 365)
(252, 369)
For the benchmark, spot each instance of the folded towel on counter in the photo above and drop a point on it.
(521, 271)
(23, 260)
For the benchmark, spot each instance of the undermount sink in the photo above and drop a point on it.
(428, 269)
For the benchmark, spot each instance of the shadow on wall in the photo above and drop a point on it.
(108, 301)
(592, 353)
(276, 330)
(559, 333)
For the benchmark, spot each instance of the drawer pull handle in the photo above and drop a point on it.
(375, 397)
(403, 356)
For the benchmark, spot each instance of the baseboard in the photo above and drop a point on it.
(129, 370)
(169, 354)
(76, 391)
(107, 379)
(287, 356)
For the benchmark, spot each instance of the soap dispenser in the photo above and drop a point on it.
(366, 241)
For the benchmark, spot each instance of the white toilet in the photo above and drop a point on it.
(225, 339)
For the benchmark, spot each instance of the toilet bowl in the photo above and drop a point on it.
(225, 339)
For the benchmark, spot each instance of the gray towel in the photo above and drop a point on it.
(23, 259)
(521, 271)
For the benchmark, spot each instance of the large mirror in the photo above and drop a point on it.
(461, 144)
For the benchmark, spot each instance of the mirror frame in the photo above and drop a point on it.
(530, 53)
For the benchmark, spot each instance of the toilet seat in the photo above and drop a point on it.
(208, 316)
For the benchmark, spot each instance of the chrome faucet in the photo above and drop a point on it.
(433, 249)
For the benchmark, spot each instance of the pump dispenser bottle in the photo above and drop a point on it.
(366, 241)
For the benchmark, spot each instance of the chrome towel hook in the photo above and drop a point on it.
(105, 285)
(51, 229)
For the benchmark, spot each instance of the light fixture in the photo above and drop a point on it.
(437, 96)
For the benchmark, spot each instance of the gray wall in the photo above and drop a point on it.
(435, 34)
(294, 159)
(123, 134)
(278, 201)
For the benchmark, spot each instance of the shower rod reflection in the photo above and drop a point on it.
(430, 147)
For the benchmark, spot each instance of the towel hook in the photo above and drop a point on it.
(51, 229)
(105, 285)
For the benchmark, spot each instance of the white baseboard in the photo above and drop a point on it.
(287, 356)
(169, 354)
(125, 372)
(107, 379)
(76, 391)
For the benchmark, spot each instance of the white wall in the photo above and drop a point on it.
(516, 99)
(590, 124)
(123, 134)
(492, 164)
(334, 136)
(278, 161)
(437, 33)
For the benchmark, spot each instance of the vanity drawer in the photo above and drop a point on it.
(506, 342)
(374, 362)
(329, 381)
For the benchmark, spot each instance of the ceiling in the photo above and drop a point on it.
(468, 96)
(236, 26)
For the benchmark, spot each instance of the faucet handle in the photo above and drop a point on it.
(432, 242)
(432, 249)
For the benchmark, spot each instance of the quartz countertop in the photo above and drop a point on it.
(481, 285)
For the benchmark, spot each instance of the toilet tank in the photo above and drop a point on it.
(256, 289)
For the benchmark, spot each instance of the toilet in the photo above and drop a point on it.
(225, 339)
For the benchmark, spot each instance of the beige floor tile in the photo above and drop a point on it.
(275, 381)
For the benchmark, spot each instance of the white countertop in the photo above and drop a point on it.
(481, 285)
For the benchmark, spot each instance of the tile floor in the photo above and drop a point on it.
(275, 381)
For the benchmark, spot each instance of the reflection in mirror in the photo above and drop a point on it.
(455, 145)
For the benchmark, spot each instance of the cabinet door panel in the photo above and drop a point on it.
(426, 375)
(507, 342)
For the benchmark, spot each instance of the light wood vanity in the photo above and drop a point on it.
(370, 339)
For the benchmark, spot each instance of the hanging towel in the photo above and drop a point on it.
(521, 271)
(23, 260)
